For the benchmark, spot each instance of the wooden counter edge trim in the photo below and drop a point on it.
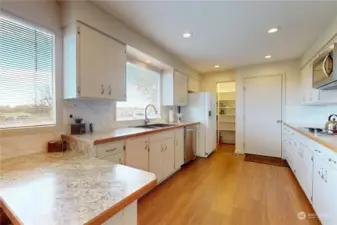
(107, 140)
(9, 214)
(122, 204)
(329, 146)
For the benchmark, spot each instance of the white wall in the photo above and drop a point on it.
(47, 13)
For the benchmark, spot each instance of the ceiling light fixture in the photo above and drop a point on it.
(273, 30)
(148, 61)
(187, 35)
(268, 56)
(216, 66)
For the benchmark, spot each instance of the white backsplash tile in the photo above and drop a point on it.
(309, 114)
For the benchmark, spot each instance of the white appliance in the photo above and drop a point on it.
(324, 70)
(202, 108)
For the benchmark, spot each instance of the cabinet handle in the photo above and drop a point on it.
(109, 90)
(110, 150)
(331, 160)
(146, 147)
(102, 92)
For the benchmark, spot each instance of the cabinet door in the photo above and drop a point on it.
(136, 152)
(115, 70)
(307, 174)
(168, 157)
(179, 148)
(116, 219)
(180, 89)
(130, 214)
(321, 195)
(156, 160)
(92, 66)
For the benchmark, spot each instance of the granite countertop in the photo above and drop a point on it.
(68, 188)
(121, 133)
(329, 141)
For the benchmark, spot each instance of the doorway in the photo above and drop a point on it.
(263, 115)
(226, 112)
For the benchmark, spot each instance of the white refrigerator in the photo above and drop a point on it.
(201, 107)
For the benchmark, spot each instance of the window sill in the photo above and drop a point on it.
(15, 131)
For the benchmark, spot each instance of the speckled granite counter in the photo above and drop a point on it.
(121, 133)
(329, 142)
(68, 188)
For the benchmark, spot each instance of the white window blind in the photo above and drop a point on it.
(26, 74)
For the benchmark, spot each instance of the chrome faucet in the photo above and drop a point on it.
(147, 119)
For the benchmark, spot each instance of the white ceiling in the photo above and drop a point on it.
(228, 33)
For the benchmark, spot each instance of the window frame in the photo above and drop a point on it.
(16, 130)
(135, 61)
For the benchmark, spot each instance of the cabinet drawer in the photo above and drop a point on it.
(111, 148)
(161, 136)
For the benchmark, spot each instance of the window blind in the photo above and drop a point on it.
(26, 74)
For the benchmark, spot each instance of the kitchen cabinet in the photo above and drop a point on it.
(128, 216)
(174, 91)
(325, 186)
(193, 85)
(305, 168)
(315, 168)
(137, 152)
(94, 64)
(179, 148)
(309, 95)
(161, 154)
(112, 152)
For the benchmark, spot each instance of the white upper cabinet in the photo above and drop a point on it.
(193, 85)
(94, 64)
(174, 88)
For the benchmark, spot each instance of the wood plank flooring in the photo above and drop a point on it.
(226, 190)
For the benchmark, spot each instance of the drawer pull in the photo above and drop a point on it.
(330, 160)
(110, 150)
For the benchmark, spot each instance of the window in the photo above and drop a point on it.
(142, 89)
(26, 74)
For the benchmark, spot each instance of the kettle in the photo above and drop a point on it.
(331, 125)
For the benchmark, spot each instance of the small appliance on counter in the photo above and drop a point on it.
(331, 125)
(57, 146)
(78, 127)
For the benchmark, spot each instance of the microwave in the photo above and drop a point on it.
(325, 70)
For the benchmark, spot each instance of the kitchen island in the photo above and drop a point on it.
(71, 188)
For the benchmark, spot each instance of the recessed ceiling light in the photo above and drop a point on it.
(273, 30)
(268, 56)
(187, 35)
(216, 66)
(148, 61)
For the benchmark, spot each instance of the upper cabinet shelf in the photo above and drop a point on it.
(94, 64)
(174, 88)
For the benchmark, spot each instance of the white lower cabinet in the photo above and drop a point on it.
(179, 148)
(315, 168)
(137, 152)
(128, 216)
(112, 152)
(325, 186)
(161, 154)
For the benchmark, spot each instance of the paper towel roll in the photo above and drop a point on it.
(171, 116)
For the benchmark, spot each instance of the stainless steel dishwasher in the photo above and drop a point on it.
(190, 143)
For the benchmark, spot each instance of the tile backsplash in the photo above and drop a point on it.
(314, 115)
(99, 112)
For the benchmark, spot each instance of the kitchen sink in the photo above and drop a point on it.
(156, 125)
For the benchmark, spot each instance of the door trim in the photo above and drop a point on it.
(282, 106)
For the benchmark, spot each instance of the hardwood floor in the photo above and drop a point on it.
(226, 190)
